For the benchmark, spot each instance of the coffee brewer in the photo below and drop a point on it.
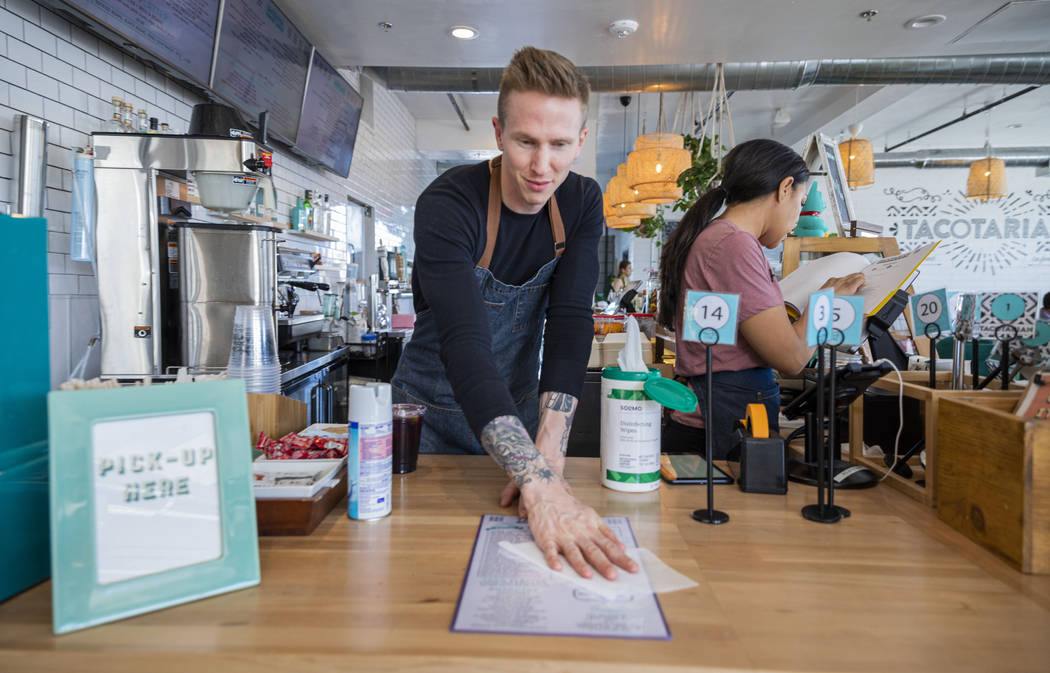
(168, 289)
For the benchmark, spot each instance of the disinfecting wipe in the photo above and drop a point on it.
(370, 455)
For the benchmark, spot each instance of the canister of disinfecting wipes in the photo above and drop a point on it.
(630, 442)
(369, 451)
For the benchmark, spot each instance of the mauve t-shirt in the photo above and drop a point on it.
(725, 258)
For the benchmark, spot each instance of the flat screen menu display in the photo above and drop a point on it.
(179, 32)
(262, 63)
(331, 112)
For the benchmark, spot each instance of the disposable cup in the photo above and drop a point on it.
(408, 424)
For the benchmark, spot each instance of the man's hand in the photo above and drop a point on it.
(558, 521)
(561, 523)
(552, 440)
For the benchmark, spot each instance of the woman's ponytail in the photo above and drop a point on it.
(676, 251)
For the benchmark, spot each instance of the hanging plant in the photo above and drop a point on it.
(693, 181)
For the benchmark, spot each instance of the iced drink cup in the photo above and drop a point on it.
(408, 422)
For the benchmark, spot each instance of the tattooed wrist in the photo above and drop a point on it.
(508, 442)
(564, 406)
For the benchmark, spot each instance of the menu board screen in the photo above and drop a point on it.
(331, 112)
(179, 32)
(262, 63)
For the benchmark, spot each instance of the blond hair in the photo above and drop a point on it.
(544, 71)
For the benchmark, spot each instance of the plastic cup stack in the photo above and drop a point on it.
(253, 350)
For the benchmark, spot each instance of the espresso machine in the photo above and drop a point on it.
(169, 285)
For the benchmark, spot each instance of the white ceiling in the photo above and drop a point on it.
(703, 31)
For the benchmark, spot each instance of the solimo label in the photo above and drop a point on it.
(631, 477)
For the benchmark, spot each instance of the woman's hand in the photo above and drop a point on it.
(846, 285)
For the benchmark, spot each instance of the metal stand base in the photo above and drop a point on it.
(805, 473)
(822, 513)
(712, 516)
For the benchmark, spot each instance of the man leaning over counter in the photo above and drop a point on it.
(507, 253)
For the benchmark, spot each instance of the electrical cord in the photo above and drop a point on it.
(900, 412)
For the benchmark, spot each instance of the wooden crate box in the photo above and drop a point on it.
(993, 475)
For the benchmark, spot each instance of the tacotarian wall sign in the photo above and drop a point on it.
(997, 245)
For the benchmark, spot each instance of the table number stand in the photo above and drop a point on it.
(710, 514)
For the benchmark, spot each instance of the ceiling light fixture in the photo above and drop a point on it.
(926, 21)
(384, 26)
(868, 14)
(623, 27)
(781, 118)
(463, 32)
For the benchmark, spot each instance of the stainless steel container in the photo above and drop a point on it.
(141, 325)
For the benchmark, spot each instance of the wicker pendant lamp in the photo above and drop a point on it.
(626, 209)
(622, 222)
(619, 192)
(858, 160)
(654, 165)
(987, 179)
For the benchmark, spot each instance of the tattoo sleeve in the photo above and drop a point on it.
(565, 407)
(508, 442)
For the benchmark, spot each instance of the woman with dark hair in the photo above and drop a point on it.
(1044, 313)
(623, 276)
(763, 189)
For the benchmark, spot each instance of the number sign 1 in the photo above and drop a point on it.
(931, 308)
(710, 317)
(847, 321)
(818, 317)
(1009, 315)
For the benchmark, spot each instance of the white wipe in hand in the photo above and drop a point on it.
(630, 358)
(653, 576)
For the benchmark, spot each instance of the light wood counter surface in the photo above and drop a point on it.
(889, 589)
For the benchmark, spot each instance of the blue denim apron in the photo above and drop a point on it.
(515, 316)
(732, 392)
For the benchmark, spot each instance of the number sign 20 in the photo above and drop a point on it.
(710, 317)
(930, 308)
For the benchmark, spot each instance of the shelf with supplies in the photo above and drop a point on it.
(315, 235)
(916, 387)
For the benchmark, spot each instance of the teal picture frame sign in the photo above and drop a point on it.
(710, 317)
(931, 308)
(819, 317)
(847, 320)
(1008, 315)
(151, 499)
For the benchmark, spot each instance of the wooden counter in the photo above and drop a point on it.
(891, 588)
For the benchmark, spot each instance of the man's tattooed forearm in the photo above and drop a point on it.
(563, 403)
(508, 442)
(559, 402)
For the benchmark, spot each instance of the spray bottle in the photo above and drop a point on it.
(370, 454)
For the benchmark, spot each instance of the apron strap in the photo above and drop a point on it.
(492, 219)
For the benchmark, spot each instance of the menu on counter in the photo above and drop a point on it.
(331, 113)
(179, 32)
(504, 594)
(262, 63)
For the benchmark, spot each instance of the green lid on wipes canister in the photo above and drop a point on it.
(667, 393)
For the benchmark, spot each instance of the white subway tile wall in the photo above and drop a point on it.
(53, 70)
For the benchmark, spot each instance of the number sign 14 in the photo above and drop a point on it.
(710, 317)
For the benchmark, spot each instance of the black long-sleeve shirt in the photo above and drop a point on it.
(450, 237)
